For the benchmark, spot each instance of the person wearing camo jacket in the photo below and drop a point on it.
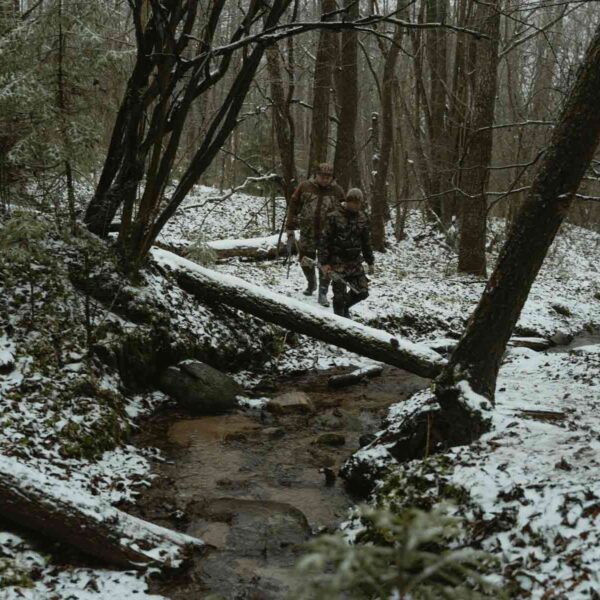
(309, 205)
(345, 242)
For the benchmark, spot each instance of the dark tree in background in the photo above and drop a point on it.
(474, 173)
(345, 162)
(324, 64)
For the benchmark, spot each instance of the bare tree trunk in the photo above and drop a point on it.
(63, 118)
(281, 119)
(458, 113)
(380, 208)
(324, 65)
(347, 95)
(475, 166)
(438, 93)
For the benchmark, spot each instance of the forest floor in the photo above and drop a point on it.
(531, 494)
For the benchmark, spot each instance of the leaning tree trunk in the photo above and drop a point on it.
(209, 286)
(475, 166)
(458, 412)
(565, 162)
(47, 505)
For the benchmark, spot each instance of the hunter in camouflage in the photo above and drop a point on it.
(345, 243)
(310, 203)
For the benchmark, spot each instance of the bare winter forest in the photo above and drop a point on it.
(180, 418)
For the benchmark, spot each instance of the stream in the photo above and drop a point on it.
(256, 486)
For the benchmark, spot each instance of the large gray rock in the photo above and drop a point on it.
(200, 388)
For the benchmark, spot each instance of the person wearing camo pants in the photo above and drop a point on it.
(344, 244)
(309, 205)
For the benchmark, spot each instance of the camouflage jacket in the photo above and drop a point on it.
(310, 204)
(346, 239)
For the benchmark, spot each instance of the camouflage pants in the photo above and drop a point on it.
(308, 243)
(352, 289)
(307, 246)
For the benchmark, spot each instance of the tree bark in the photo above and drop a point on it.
(44, 504)
(324, 64)
(475, 166)
(209, 286)
(282, 119)
(438, 92)
(565, 162)
(433, 422)
(347, 94)
(380, 208)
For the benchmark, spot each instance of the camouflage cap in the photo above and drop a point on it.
(325, 169)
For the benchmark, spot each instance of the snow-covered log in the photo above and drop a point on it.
(209, 286)
(259, 248)
(49, 506)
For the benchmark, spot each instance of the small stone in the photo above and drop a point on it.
(331, 439)
(290, 402)
(329, 475)
(273, 433)
(561, 338)
(7, 361)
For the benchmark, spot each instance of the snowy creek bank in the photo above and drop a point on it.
(257, 484)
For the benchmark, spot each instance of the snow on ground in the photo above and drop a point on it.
(528, 490)
(537, 471)
(415, 290)
(534, 498)
(540, 472)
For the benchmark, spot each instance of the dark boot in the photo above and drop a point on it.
(323, 289)
(339, 306)
(309, 273)
(354, 298)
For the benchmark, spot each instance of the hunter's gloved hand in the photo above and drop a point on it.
(291, 234)
(371, 270)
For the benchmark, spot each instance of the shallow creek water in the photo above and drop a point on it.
(252, 484)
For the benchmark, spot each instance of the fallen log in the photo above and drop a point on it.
(354, 377)
(259, 248)
(49, 506)
(213, 287)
